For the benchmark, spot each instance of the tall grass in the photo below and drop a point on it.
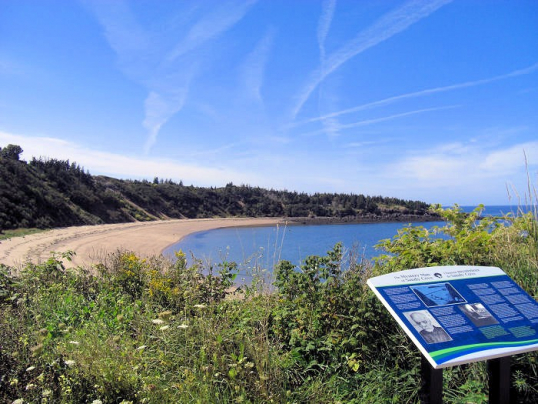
(154, 331)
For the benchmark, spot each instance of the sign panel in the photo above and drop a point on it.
(460, 314)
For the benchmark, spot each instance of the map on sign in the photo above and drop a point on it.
(460, 314)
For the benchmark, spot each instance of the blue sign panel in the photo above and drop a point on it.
(460, 314)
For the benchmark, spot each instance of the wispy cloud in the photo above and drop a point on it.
(331, 124)
(122, 166)
(453, 165)
(146, 56)
(324, 24)
(511, 159)
(373, 121)
(528, 70)
(129, 40)
(158, 109)
(253, 69)
(387, 26)
(223, 16)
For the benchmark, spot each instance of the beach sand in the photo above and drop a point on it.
(92, 243)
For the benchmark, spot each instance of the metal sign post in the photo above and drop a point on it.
(461, 314)
(499, 381)
(431, 387)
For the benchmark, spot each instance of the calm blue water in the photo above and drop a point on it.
(265, 246)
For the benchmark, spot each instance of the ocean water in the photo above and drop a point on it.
(265, 246)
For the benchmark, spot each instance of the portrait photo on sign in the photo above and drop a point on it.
(438, 294)
(428, 328)
(478, 314)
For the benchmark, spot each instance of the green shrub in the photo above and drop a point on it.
(154, 331)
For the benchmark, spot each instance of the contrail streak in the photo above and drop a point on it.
(386, 27)
(421, 93)
(367, 122)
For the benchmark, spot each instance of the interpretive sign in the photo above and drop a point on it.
(460, 314)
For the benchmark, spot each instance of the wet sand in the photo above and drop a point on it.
(92, 243)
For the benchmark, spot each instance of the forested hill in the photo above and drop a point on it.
(49, 193)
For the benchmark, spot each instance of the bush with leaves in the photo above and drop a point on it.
(509, 242)
(151, 331)
(331, 327)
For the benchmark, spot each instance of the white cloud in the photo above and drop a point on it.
(387, 26)
(222, 17)
(120, 166)
(253, 68)
(512, 159)
(129, 40)
(455, 165)
(367, 122)
(146, 56)
(324, 24)
(421, 93)
(159, 109)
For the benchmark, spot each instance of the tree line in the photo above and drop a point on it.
(47, 192)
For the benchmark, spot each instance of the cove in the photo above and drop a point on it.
(264, 247)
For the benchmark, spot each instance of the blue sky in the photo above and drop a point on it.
(434, 100)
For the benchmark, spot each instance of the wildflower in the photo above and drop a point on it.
(36, 350)
(70, 363)
(30, 368)
(166, 327)
(18, 401)
(141, 347)
(199, 306)
(165, 315)
(183, 326)
(97, 402)
(30, 386)
(74, 342)
(157, 321)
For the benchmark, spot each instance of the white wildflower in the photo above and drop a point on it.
(30, 368)
(18, 401)
(70, 363)
(74, 342)
(141, 347)
(165, 327)
(157, 321)
(30, 386)
(183, 326)
(97, 402)
(199, 306)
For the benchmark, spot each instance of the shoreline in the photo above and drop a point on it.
(397, 218)
(93, 243)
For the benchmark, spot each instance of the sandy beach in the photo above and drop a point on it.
(92, 243)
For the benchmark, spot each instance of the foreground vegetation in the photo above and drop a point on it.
(152, 331)
(47, 193)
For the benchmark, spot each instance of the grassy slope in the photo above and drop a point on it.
(155, 332)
